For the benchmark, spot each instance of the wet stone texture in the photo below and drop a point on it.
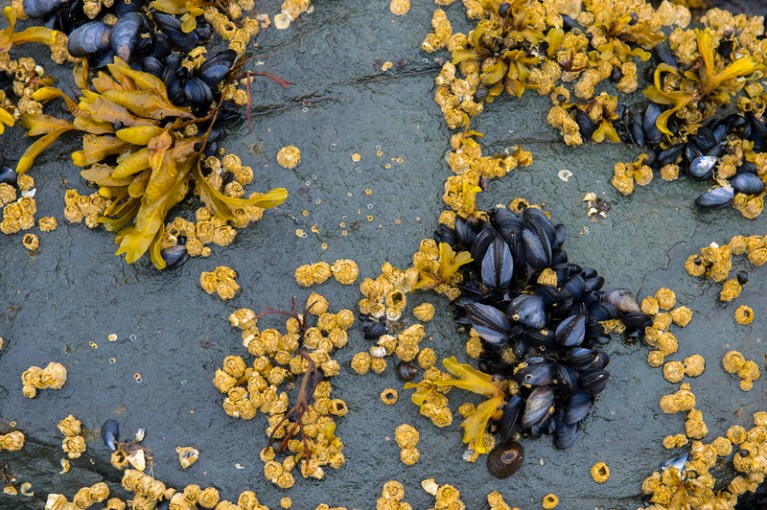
(75, 290)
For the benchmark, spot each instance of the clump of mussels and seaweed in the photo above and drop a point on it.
(687, 127)
(151, 118)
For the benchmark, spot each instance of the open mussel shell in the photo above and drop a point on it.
(716, 198)
(505, 459)
(537, 406)
(497, 265)
(489, 322)
(747, 183)
(89, 39)
(578, 407)
(528, 310)
(125, 34)
(110, 433)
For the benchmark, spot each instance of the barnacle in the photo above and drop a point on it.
(389, 396)
(744, 315)
(187, 456)
(289, 157)
(600, 472)
(550, 501)
(12, 441)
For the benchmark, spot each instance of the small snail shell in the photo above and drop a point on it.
(505, 459)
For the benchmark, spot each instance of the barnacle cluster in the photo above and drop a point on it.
(307, 430)
(664, 312)
(289, 157)
(407, 437)
(74, 441)
(392, 494)
(35, 378)
(688, 482)
(12, 441)
(84, 498)
(221, 281)
(748, 371)
(496, 502)
(446, 496)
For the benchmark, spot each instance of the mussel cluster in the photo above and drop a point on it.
(133, 34)
(539, 319)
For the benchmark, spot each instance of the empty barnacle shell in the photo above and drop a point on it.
(406, 371)
(89, 39)
(505, 459)
(430, 486)
(110, 433)
(137, 459)
(716, 198)
(125, 35)
(187, 456)
(376, 351)
(140, 434)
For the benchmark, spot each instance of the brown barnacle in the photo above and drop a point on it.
(12, 441)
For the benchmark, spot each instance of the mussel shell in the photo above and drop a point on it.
(603, 311)
(623, 300)
(541, 340)
(489, 322)
(716, 198)
(153, 66)
(483, 241)
(171, 26)
(669, 155)
(565, 435)
(406, 371)
(572, 330)
(497, 265)
(372, 330)
(215, 68)
(89, 39)
(444, 235)
(574, 287)
(565, 378)
(548, 293)
(123, 7)
(528, 310)
(505, 220)
(578, 407)
(125, 33)
(110, 433)
(652, 134)
(505, 459)
(747, 183)
(509, 423)
(8, 176)
(537, 406)
(585, 124)
(594, 380)
(677, 462)
(197, 92)
(702, 167)
(174, 256)
(464, 232)
(664, 54)
(742, 277)
(538, 253)
(40, 8)
(537, 374)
